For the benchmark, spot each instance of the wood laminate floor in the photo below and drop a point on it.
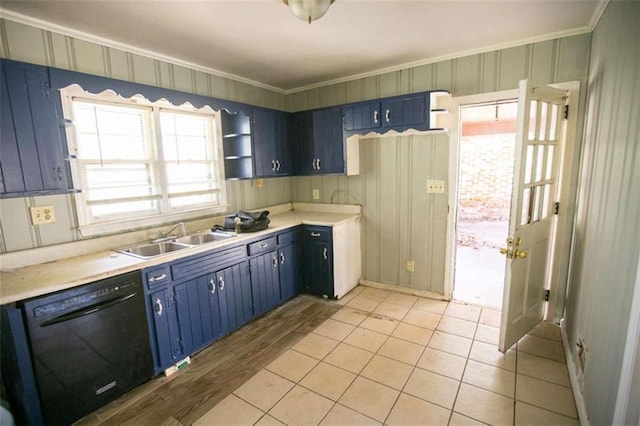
(218, 370)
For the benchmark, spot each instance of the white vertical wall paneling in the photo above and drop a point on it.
(607, 243)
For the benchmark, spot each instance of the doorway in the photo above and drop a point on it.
(485, 178)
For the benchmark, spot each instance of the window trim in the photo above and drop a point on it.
(88, 227)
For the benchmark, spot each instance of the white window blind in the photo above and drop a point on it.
(137, 163)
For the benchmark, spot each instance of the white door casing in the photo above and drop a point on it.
(539, 135)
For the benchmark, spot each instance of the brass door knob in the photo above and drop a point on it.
(520, 254)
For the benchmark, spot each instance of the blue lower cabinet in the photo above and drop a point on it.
(236, 303)
(165, 333)
(265, 282)
(317, 262)
(288, 271)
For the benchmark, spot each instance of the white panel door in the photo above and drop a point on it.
(540, 131)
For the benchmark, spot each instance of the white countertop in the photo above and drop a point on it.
(36, 280)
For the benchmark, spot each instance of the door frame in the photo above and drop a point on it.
(568, 174)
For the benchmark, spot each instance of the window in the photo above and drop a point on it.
(139, 163)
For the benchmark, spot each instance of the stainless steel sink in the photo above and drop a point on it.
(153, 249)
(146, 251)
(203, 238)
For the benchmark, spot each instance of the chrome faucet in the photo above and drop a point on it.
(166, 236)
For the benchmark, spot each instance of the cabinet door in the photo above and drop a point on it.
(203, 313)
(405, 111)
(284, 166)
(362, 116)
(236, 304)
(288, 270)
(265, 282)
(11, 172)
(263, 131)
(301, 142)
(328, 141)
(318, 271)
(35, 128)
(165, 327)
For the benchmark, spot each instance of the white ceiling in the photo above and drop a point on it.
(263, 42)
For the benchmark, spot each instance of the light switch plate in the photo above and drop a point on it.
(435, 186)
(42, 214)
(316, 194)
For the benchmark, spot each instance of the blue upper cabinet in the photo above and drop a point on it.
(31, 151)
(271, 143)
(318, 142)
(397, 113)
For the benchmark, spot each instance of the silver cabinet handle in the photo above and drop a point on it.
(318, 164)
(282, 258)
(212, 286)
(324, 253)
(159, 307)
(273, 165)
(314, 164)
(277, 165)
(158, 278)
(375, 116)
(315, 234)
(387, 115)
(264, 245)
(274, 261)
(221, 282)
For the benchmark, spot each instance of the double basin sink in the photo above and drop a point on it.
(153, 249)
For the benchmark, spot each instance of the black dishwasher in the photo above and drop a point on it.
(90, 345)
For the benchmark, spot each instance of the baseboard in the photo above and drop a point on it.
(406, 290)
(572, 366)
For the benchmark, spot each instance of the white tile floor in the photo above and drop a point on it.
(396, 359)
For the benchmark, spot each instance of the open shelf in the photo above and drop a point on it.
(236, 146)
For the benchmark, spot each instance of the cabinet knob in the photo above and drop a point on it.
(159, 307)
(221, 283)
(212, 286)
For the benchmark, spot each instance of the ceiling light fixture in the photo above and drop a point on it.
(308, 10)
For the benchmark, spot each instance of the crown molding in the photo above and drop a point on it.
(597, 14)
(81, 35)
(456, 55)
(49, 26)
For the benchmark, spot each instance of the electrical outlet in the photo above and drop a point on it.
(410, 266)
(435, 186)
(316, 194)
(42, 214)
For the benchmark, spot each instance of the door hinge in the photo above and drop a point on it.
(556, 208)
(546, 295)
(566, 112)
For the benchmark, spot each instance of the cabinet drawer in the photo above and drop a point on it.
(288, 237)
(318, 233)
(157, 276)
(262, 246)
